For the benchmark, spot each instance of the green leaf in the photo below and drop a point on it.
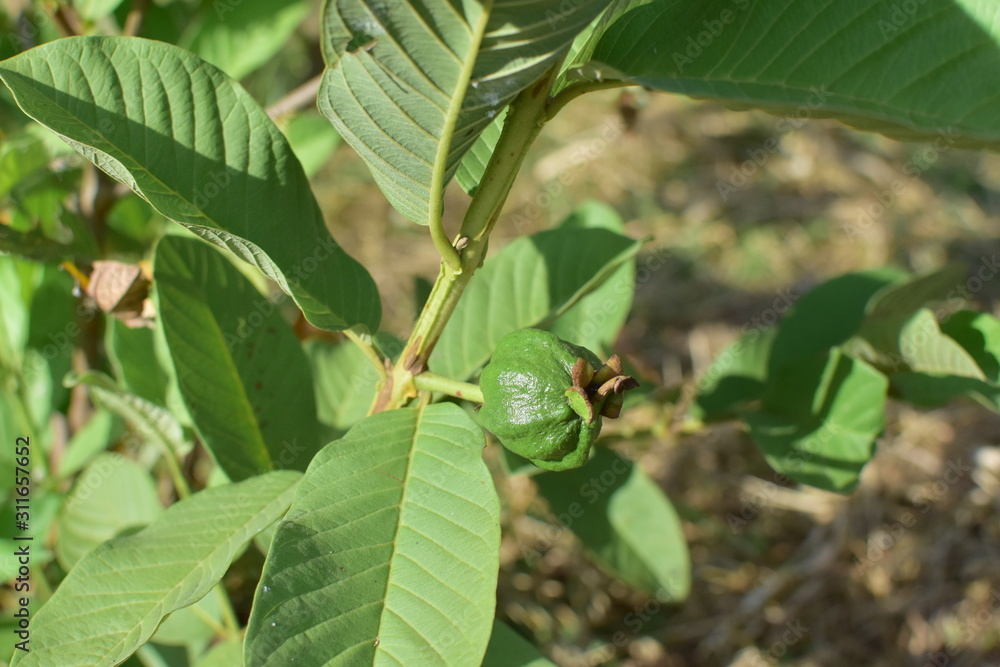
(819, 420)
(625, 523)
(242, 373)
(893, 306)
(596, 319)
(737, 376)
(225, 654)
(412, 85)
(193, 626)
(21, 157)
(509, 649)
(111, 495)
(529, 283)
(193, 143)
(926, 350)
(345, 382)
(15, 304)
(913, 71)
(932, 390)
(239, 37)
(578, 65)
(152, 421)
(89, 441)
(828, 315)
(132, 353)
(114, 598)
(979, 334)
(389, 552)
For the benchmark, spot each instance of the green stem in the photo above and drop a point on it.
(450, 256)
(523, 123)
(433, 382)
(176, 474)
(570, 93)
(229, 619)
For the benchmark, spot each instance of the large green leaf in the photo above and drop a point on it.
(912, 70)
(240, 368)
(114, 598)
(411, 85)
(238, 37)
(194, 144)
(389, 554)
(112, 494)
(529, 283)
(820, 418)
(625, 523)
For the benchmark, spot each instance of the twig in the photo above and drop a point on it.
(433, 382)
(567, 95)
(133, 22)
(67, 20)
(298, 98)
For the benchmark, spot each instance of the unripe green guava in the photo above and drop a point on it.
(525, 402)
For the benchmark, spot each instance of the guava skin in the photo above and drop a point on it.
(524, 399)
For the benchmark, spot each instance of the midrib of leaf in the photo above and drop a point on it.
(395, 557)
(444, 148)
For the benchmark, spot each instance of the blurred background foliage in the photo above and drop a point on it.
(746, 211)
